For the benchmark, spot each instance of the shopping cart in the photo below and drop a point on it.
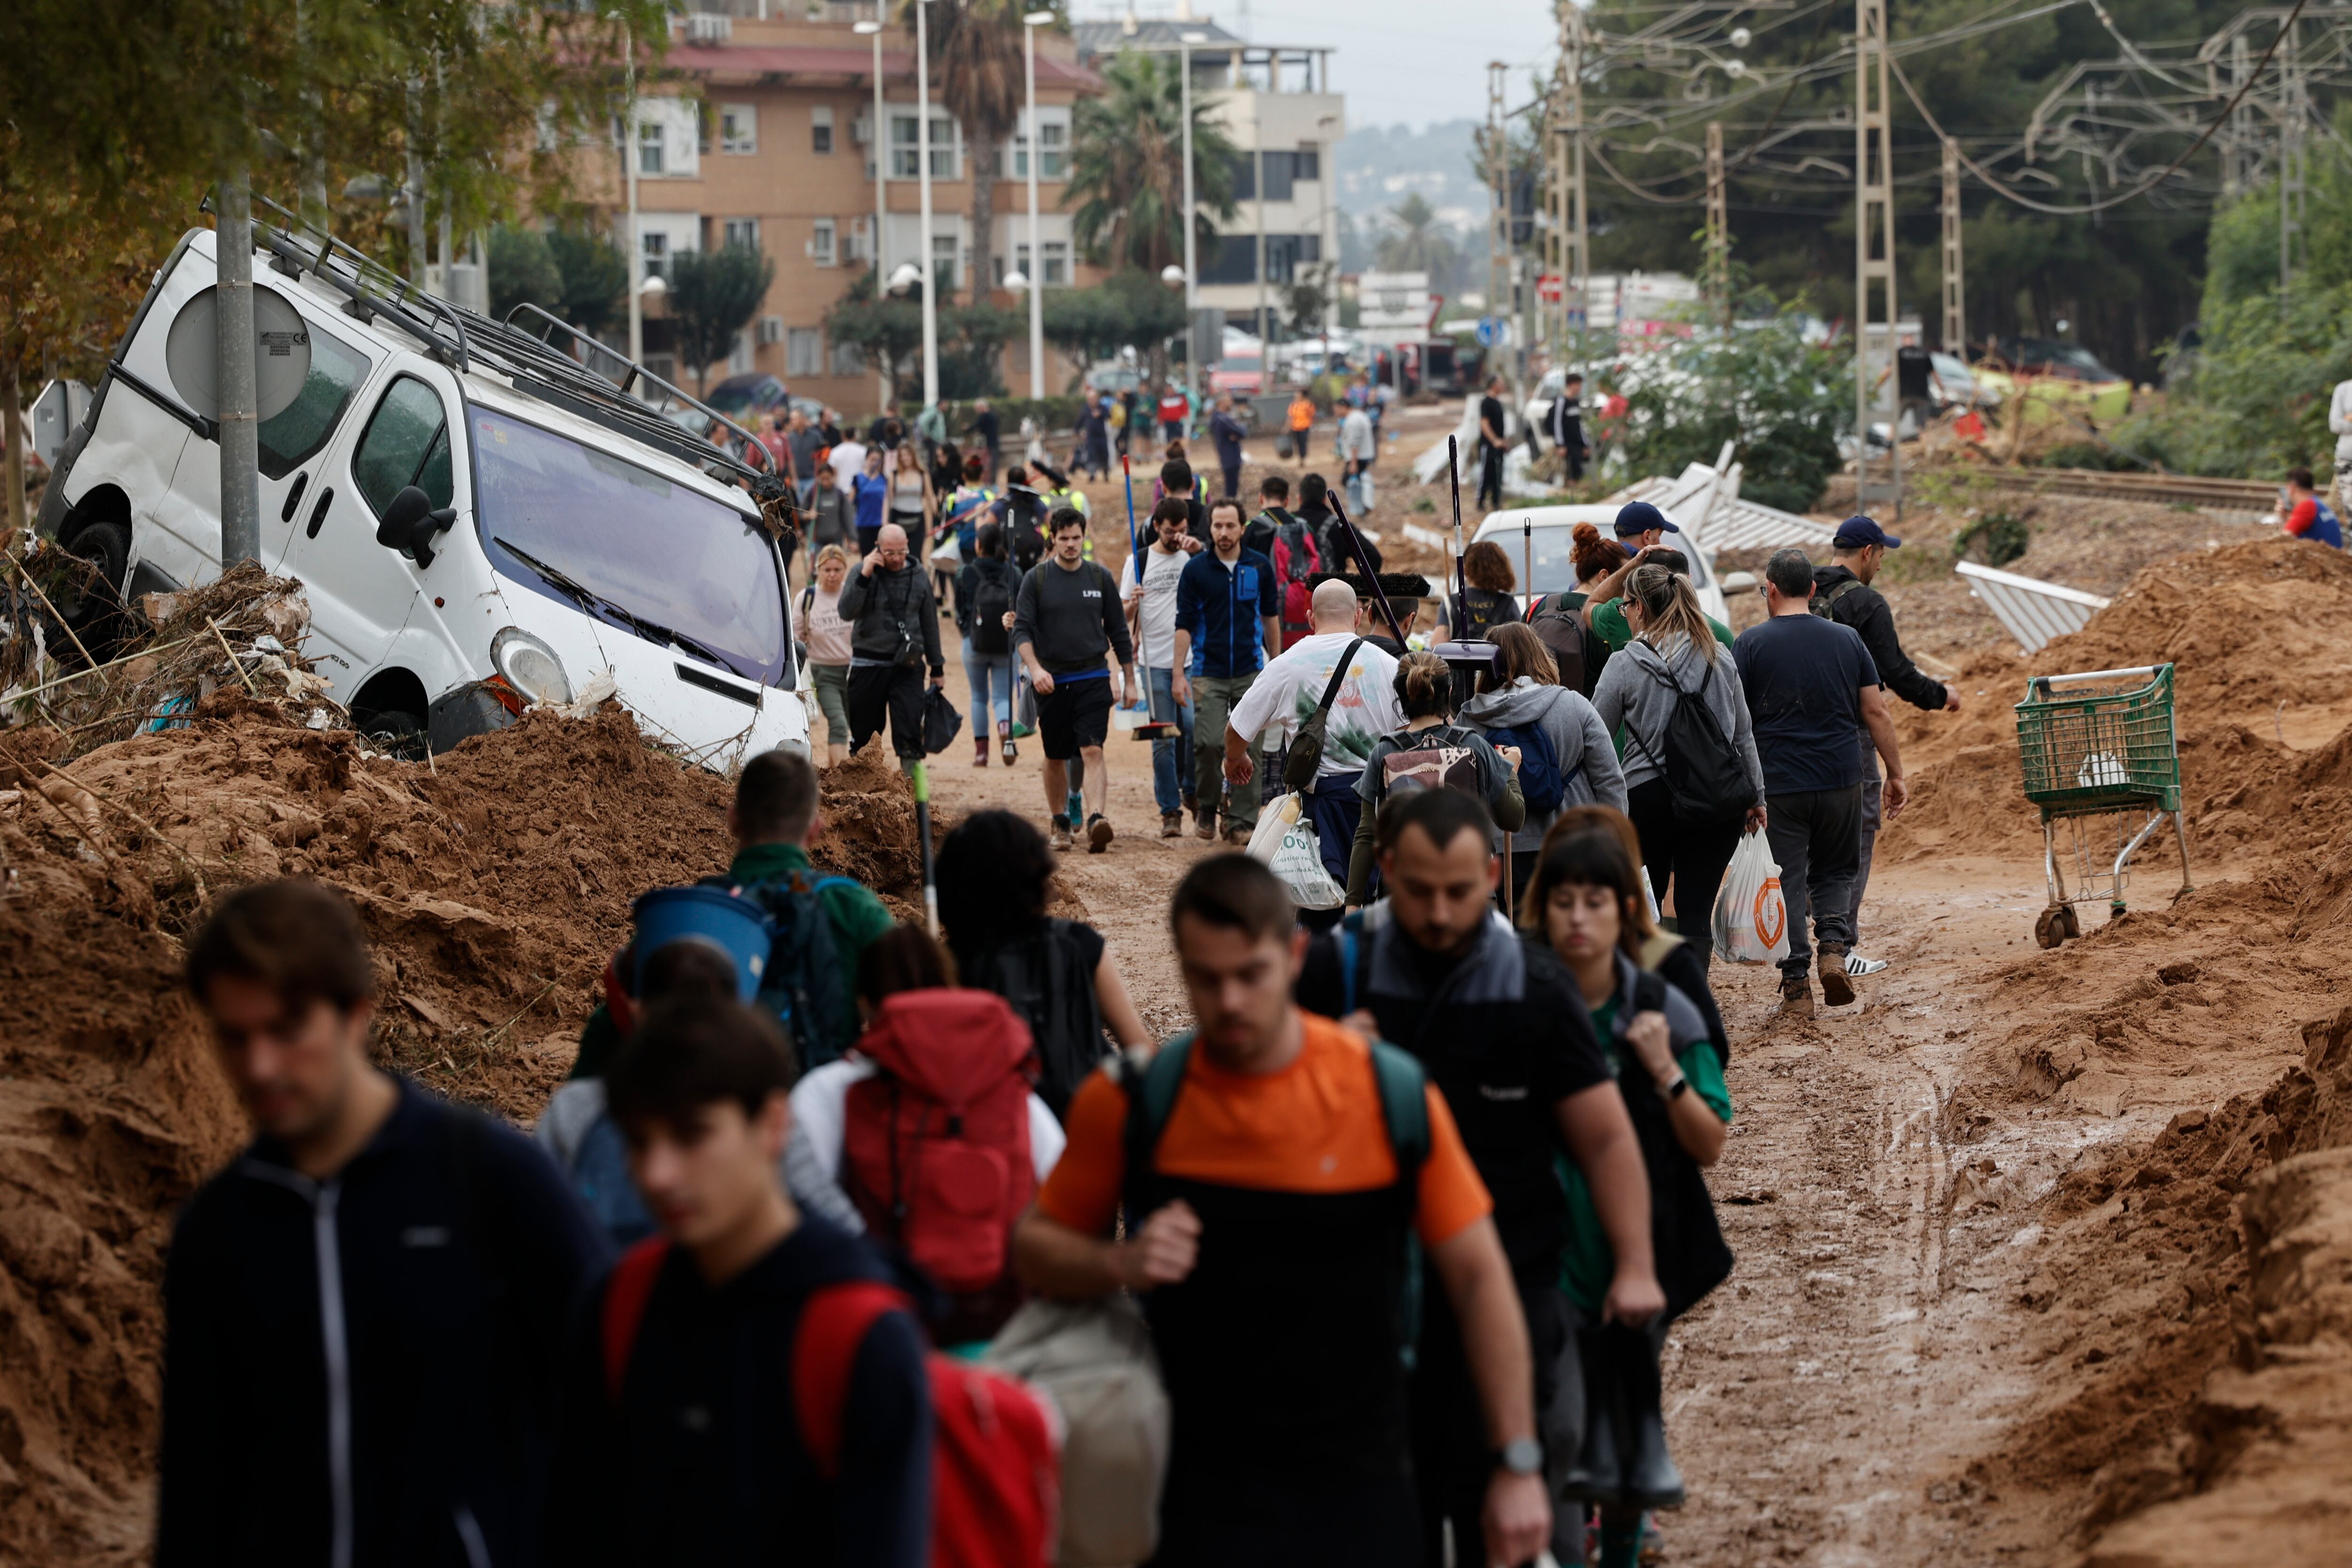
(2099, 758)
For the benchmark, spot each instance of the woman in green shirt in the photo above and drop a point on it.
(1585, 903)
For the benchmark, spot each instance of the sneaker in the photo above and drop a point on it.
(1022, 732)
(1060, 836)
(1858, 966)
(1171, 824)
(1837, 988)
(1796, 996)
(1097, 834)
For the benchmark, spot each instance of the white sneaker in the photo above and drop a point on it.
(1856, 964)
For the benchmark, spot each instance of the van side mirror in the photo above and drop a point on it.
(1737, 582)
(410, 523)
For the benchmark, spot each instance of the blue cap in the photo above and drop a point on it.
(1639, 516)
(1858, 530)
(736, 926)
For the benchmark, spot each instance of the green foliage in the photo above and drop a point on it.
(2253, 400)
(1778, 399)
(1126, 167)
(1412, 240)
(596, 278)
(971, 349)
(1996, 538)
(523, 271)
(713, 294)
(1128, 309)
(889, 332)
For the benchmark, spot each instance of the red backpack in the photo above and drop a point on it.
(935, 1150)
(1296, 561)
(996, 1463)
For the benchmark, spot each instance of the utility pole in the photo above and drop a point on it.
(1955, 307)
(1498, 181)
(233, 348)
(2294, 115)
(1874, 256)
(2238, 166)
(1575, 295)
(1718, 226)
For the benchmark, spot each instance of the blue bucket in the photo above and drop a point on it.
(735, 926)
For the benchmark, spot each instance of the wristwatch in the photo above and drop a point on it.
(1675, 1086)
(1521, 1457)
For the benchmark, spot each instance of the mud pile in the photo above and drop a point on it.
(494, 884)
(2260, 638)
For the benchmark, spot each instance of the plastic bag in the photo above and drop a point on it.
(942, 723)
(1285, 843)
(1751, 924)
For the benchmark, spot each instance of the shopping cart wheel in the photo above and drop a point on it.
(2070, 923)
(2050, 928)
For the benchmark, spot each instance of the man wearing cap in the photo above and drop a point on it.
(1841, 591)
(1641, 527)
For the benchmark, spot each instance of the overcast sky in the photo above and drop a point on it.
(1408, 62)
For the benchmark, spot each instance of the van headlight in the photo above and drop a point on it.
(530, 666)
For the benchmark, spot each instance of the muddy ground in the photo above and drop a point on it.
(2042, 1255)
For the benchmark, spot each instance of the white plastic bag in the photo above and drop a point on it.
(1286, 843)
(1751, 924)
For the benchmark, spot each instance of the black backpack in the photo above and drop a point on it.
(1703, 770)
(991, 597)
(1044, 977)
(1569, 642)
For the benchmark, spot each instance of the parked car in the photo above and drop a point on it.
(478, 522)
(743, 399)
(1551, 540)
(1244, 375)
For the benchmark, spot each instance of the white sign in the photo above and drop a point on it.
(1393, 299)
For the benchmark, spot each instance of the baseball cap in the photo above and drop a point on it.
(1638, 517)
(1858, 531)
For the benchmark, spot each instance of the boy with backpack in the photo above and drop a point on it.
(1148, 582)
(1273, 1166)
(749, 1385)
(1289, 543)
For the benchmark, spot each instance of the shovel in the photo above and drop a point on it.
(1467, 653)
(919, 776)
(1155, 728)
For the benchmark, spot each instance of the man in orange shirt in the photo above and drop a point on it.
(1272, 1166)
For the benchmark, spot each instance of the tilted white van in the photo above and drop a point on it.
(481, 521)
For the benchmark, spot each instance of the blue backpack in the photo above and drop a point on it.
(600, 1174)
(1540, 784)
(804, 984)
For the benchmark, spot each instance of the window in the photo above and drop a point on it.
(290, 437)
(821, 128)
(742, 232)
(739, 128)
(848, 359)
(656, 254)
(943, 264)
(821, 245)
(1235, 259)
(906, 148)
(406, 443)
(804, 351)
(649, 147)
(1057, 262)
(1281, 170)
(1306, 164)
(1054, 145)
(739, 353)
(772, 330)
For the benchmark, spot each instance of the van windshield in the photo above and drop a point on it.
(629, 547)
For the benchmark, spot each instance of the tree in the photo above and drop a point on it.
(972, 357)
(1779, 400)
(713, 295)
(596, 278)
(982, 82)
(1415, 241)
(1126, 167)
(523, 271)
(889, 332)
(1127, 309)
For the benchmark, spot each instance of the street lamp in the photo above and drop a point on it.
(881, 172)
(1192, 271)
(653, 288)
(905, 277)
(923, 163)
(636, 245)
(1016, 281)
(1029, 25)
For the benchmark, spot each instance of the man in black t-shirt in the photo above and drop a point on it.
(1813, 692)
(1492, 444)
(1502, 1031)
(1915, 382)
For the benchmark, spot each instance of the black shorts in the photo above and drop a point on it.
(1075, 715)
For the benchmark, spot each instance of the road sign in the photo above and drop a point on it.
(1493, 330)
(1547, 288)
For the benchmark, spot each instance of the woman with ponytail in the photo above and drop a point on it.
(1434, 753)
(1693, 781)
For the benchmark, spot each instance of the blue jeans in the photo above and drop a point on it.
(1170, 757)
(986, 671)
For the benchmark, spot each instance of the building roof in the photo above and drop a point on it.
(745, 64)
(1157, 35)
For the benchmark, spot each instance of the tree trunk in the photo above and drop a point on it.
(984, 220)
(12, 416)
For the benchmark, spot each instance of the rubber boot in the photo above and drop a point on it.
(1650, 1478)
(979, 750)
(1004, 742)
(1599, 1473)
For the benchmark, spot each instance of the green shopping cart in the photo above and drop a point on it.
(2100, 755)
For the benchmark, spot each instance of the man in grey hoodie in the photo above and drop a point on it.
(1674, 650)
(1525, 698)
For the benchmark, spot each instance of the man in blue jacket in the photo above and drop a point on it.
(357, 1367)
(1228, 616)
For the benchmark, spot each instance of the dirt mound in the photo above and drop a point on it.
(494, 884)
(2260, 638)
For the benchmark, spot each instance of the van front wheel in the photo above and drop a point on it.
(92, 606)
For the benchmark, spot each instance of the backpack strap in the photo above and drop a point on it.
(833, 1323)
(1352, 948)
(1338, 677)
(1405, 1107)
(1152, 1087)
(625, 1295)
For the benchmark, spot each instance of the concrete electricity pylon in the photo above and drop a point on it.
(1568, 249)
(1498, 181)
(1718, 281)
(1874, 256)
(1955, 309)
(2294, 121)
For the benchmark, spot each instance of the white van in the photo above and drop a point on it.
(479, 521)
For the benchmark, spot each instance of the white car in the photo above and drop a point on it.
(479, 521)
(1545, 536)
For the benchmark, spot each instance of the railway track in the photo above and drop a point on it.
(2175, 489)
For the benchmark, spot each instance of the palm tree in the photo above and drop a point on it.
(1126, 167)
(1418, 243)
(978, 45)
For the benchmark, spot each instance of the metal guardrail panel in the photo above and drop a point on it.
(2032, 611)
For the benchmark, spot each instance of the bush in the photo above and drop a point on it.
(1779, 400)
(1996, 538)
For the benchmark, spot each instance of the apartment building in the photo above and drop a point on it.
(758, 131)
(1275, 105)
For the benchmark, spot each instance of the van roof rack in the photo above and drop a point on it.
(573, 378)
